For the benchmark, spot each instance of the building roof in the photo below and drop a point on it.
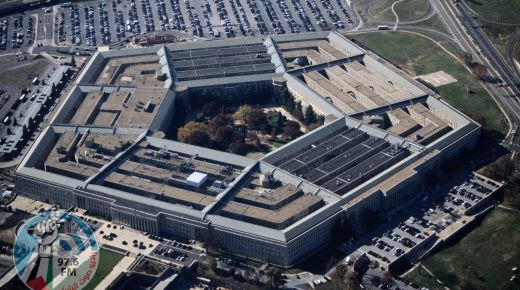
(104, 140)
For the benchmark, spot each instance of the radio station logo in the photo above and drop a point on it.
(56, 250)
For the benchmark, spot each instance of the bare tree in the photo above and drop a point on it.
(212, 264)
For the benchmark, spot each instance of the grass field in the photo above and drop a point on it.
(434, 22)
(484, 257)
(107, 261)
(504, 11)
(382, 10)
(424, 279)
(22, 76)
(424, 57)
(409, 10)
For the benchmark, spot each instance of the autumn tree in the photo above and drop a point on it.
(291, 130)
(252, 137)
(210, 109)
(194, 133)
(218, 121)
(212, 264)
(341, 269)
(351, 280)
(480, 71)
(274, 275)
(224, 136)
(241, 113)
(257, 119)
(466, 58)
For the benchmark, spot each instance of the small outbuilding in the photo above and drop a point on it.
(196, 179)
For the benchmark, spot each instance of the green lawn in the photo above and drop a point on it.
(409, 10)
(424, 279)
(504, 11)
(424, 57)
(434, 22)
(382, 10)
(484, 257)
(107, 261)
(22, 76)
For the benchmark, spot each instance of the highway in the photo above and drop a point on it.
(473, 40)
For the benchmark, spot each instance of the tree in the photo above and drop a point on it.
(275, 277)
(275, 119)
(241, 113)
(466, 285)
(257, 119)
(310, 115)
(291, 130)
(466, 58)
(252, 137)
(298, 111)
(210, 109)
(351, 280)
(341, 269)
(239, 147)
(480, 71)
(274, 132)
(224, 136)
(218, 121)
(284, 95)
(194, 133)
(212, 264)
(248, 273)
(287, 100)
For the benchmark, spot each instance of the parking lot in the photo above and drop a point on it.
(93, 23)
(428, 218)
(16, 32)
(177, 252)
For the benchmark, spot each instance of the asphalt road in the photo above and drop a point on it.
(473, 40)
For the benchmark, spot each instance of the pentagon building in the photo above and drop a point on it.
(105, 150)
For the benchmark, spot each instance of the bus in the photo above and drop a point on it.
(383, 27)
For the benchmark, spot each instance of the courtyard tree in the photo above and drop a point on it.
(257, 119)
(210, 109)
(224, 136)
(242, 113)
(217, 122)
(310, 116)
(291, 130)
(276, 119)
(194, 133)
(298, 111)
(239, 146)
